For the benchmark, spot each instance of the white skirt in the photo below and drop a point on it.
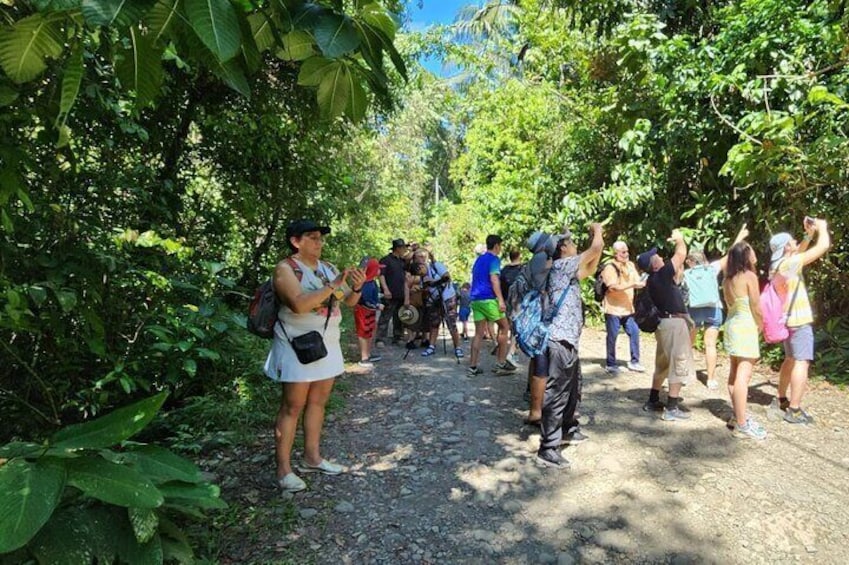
(282, 365)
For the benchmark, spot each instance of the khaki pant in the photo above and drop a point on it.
(674, 356)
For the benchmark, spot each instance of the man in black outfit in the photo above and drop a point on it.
(674, 355)
(393, 279)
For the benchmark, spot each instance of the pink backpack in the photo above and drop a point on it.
(775, 319)
(774, 313)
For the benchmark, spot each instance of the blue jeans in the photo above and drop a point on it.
(612, 325)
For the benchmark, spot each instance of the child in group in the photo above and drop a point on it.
(465, 309)
(366, 311)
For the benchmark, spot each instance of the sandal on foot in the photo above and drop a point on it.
(430, 350)
(534, 423)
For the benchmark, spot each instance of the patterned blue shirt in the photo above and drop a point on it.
(569, 320)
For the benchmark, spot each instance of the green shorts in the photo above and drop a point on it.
(486, 310)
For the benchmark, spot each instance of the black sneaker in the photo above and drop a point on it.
(653, 406)
(551, 458)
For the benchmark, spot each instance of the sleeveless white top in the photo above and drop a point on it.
(282, 364)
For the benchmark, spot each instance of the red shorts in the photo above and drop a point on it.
(365, 321)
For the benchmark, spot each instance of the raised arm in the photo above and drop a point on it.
(591, 255)
(823, 242)
(680, 249)
(741, 235)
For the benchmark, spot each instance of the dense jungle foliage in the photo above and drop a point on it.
(152, 152)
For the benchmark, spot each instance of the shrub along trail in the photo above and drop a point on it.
(441, 470)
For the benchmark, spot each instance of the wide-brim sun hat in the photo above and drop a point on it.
(408, 315)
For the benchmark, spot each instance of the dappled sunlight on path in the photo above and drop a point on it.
(441, 470)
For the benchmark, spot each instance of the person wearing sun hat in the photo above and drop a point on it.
(366, 311)
(787, 258)
(393, 282)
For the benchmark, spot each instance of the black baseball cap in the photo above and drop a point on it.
(297, 228)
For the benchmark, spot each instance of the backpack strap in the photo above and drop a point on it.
(299, 273)
(560, 301)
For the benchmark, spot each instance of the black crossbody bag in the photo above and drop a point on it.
(309, 347)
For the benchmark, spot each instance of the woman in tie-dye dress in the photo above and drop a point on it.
(741, 334)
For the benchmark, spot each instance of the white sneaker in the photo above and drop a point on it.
(636, 367)
(366, 364)
(291, 483)
(325, 467)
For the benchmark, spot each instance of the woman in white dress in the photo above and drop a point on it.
(309, 291)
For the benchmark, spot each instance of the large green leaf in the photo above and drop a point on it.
(18, 448)
(145, 522)
(56, 5)
(335, 90)
(71, 81)
(358, 100)
(26, 44)
(216, 24)
(203, 495)
(7, 95)
(233, 74)
(394, 55)
(261, 29)
(313, 70)
(79, 535)
(335, 35)
(161, 465)
(28, 494)
(377, 16)
(115, 12)
(140, 67)
(371, 46)
(108, 430)
(161, 18)
(113, 483)
(297, 46)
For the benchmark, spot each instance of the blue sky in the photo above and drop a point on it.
(434, 12)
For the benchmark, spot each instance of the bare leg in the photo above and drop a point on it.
(537, 395)
(480, 328)
(732, 375)
(741, 390)
(503, 328)
(319, 392)
(711, 335)
(675, 390)
(798, 382)
(292, 403)
(364, 348)
(784, 376)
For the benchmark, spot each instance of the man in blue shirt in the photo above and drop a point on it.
(488, 305)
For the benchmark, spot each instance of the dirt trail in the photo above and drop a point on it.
(442, 471)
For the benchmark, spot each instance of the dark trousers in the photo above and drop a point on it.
(612, 325)
(390, 311)
(562, 394)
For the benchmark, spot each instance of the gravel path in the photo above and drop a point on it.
(441, 470)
